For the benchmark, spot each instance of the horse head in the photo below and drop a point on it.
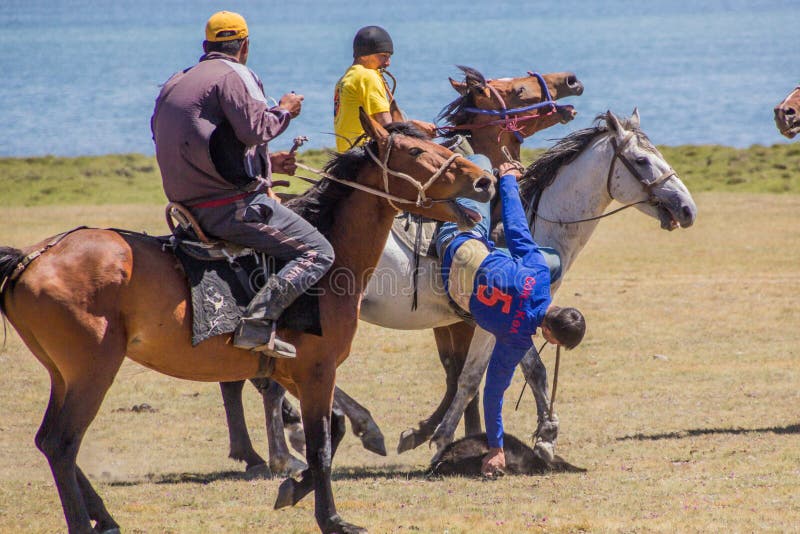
(425, 175)
(787, 114)
(482, 102)
(645, 176)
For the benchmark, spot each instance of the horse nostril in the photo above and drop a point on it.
(574, 85)
(483, 184)
(790, 112)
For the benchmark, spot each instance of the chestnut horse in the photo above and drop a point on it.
(787, 114)
(84, 302)
(493, 115)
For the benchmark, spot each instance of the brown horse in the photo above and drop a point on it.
(84, 302)
(487, 135)
(787, 114)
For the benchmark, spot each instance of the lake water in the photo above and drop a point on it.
(80, 77)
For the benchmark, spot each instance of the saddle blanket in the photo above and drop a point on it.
(220, 298)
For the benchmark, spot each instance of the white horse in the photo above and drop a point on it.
(576, 180)
(567, 191)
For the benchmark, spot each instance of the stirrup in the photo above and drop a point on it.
(250, 336)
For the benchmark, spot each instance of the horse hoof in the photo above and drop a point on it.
(257, 471)
(373, 442)
(113, 530)
(286, 494)
(336, 525)
(408, 441)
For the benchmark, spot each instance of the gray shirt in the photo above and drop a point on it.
(209, 119)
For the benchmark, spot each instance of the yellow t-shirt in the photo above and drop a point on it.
(359, 87)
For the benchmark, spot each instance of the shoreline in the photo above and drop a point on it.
(134, 178)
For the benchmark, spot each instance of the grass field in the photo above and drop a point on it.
(682, 402)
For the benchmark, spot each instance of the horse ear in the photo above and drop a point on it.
(396, 112)
(613, 123)
(372, 127)
(460, 87)
(635, 119)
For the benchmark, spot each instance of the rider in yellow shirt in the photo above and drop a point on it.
(363, 86)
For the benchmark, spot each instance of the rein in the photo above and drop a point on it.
(647, 185)
(510, 123)
(422, 200)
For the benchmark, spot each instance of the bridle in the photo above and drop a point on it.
(647, 185)
(510, 119)
(422, 200)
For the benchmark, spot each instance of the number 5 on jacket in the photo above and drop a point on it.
(495, 297)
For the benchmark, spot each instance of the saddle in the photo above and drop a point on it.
(223, 277)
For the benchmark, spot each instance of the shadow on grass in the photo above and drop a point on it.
(390, 472)
(788, 429)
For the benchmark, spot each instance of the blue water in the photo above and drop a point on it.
(80, 77)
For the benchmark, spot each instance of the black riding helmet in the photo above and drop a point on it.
(372, 40)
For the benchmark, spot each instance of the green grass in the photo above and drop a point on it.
(134, 178)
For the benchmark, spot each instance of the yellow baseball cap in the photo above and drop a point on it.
(225, 26)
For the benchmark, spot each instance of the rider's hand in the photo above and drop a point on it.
(283, 163)
(508, 167)
(494, 462)
(291, 103)
(428, 128)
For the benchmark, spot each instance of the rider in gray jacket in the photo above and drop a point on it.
(211, 126)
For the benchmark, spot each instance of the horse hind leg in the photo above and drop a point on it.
(292, 491)
(364, 426)
(241, 447)
(293, 422)
(281, 461)
(72, 407)
(452, 343)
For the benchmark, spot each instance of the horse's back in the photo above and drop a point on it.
(389, 296)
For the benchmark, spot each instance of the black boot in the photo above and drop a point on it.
(256, 330)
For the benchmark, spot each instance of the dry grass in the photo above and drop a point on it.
(682, 402)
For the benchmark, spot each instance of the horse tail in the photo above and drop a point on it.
(9, 259)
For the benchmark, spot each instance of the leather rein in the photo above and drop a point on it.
(422, 200)
(648, 186)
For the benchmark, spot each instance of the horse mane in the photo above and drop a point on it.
(454, 113)
(318, 203)
(9, 258)
(542, 172)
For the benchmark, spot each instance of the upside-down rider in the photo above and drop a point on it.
(211, 126)
(508, 294)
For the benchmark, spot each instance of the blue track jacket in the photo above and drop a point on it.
(509, 299)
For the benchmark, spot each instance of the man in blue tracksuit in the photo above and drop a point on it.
(508, 294)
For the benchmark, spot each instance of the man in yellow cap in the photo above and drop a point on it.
(363, 86)
(211, 126)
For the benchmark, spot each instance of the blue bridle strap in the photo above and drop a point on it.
(547, 102)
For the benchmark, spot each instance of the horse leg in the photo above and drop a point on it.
(293, 423)
(546, 429)
(322, 440)
(241, 448)
(292, 491)
(361, 420)
(472, 416)
(281, 461)
(452, 341)
(480, 351)
(72, 407)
